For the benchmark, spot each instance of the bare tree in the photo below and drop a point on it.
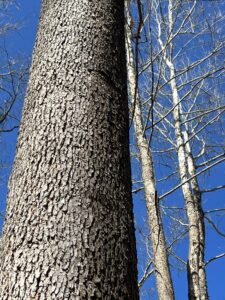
(160, 259)
(13, 73)
(182, 102)
(13, 78)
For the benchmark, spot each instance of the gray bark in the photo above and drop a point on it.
(159, 249)
(197, 284)
(68, 232)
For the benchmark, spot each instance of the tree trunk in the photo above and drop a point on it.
(197, 285)
(69, 231)
(202, 282)
(160, 258)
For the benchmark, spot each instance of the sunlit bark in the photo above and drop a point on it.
(69, 232)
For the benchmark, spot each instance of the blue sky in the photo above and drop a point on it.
(20, 42)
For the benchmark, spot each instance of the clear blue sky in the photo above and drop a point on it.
(21, 41)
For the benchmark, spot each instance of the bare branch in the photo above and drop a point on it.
(9, 130)
(146, 274)
(138, 190)
(213, 189)
(214, 210)
(190, 178)
(214, 226)
(202, 114)
(210, 160)
(214, 258)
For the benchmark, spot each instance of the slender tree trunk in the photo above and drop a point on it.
(197, 285)
(69, 232)
(160, 258)
(202, 282)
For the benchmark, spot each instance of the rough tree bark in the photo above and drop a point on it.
(160, 258)
(69, 232)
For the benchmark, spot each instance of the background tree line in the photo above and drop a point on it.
(176, 79)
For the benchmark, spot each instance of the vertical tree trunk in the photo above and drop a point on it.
(197, 285)
(160, 259)
(201, 276)
(69, 232)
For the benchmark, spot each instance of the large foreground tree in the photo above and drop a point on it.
(69, 232)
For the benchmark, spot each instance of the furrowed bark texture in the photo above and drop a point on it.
(160, 258)
(69, 232)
